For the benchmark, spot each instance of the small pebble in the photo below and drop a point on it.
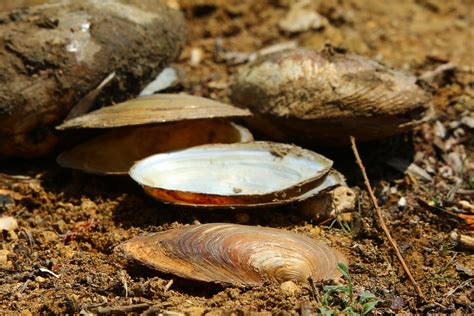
(26, 313)
(289, 287)
(233, 293)
(316, 231)
(466, 205)
(8, 223)
(468, 121)
(439, 129)
(468, 271)
(196, 56)
(49, 236)
(402, 203)
(4, 258)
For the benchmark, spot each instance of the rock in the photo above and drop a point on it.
(468, 121)
(197, 55)
(26, 312)
(40, 279)
(402, 203)
(4, 262)
(468, 271)
(315, 231)
(336, 202)
(8, 223)
(54, 55)
(289, 287)
(466, 205)
(49, 236)
(6, 200)
(301, 17)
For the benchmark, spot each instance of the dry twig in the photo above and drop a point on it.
(314, 290)
(381, 220)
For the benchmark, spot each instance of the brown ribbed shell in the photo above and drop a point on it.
(158, 108)
(145, 126)
(305, 95)
(235, 254)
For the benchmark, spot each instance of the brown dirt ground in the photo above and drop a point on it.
(70, 222)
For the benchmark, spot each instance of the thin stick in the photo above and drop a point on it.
(314, 290)
(381, 220)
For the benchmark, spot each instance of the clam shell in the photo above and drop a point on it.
(235, 254)
(159, 108)
(306, 96)
(234, 175)
(118, 149)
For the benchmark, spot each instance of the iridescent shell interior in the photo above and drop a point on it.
(256, 168)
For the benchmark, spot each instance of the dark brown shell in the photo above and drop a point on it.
(305, 95)
(235, 254)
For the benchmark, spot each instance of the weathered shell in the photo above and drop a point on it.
(235, 254)
(306, 96)
(232, 175)
(117, 150)
(159, 108)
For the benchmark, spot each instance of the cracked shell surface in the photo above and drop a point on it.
(235, 254)
(115, 151)
(158, 108)
(327, 96)
(233, 175)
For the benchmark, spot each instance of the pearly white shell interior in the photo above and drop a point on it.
(228, 170)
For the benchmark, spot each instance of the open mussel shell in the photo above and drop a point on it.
(159, 108)
(115, 151)
(235, 254)
(305, 96)
(232, 175)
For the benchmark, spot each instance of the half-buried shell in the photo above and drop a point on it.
(235, 254)
(145, 126)
(255, 174)
(310, 97)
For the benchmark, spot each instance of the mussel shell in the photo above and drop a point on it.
(158, 108)
(306, 96)
(117, 150)
(233, 175)
(332, 179)
(235, 254)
